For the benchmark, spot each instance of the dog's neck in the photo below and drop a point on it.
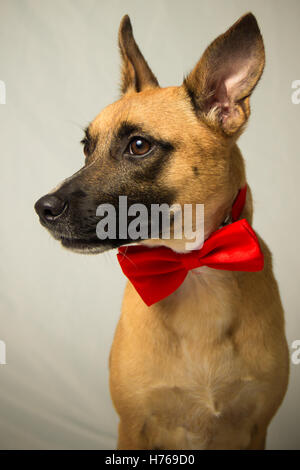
(217, 215)
(198, 308)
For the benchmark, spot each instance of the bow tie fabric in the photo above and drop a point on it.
(158, 272)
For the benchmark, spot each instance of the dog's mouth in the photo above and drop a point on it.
(93, 245)
(87, 245)
(90, 246)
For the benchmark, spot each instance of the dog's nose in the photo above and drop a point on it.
(50, 207)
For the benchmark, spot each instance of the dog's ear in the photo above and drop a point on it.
(224, 78)
(136, 74)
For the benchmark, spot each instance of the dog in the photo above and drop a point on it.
(205, 367)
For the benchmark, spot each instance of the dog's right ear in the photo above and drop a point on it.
(136, 74)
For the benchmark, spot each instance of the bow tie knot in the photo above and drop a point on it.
(190, 261)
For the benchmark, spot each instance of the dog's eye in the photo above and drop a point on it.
(86, 146)
(86, 150)
(139, 147)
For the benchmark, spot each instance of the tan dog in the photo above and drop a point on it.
(207, 367)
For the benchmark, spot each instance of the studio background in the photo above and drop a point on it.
(59, 61)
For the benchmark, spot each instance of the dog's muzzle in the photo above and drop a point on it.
(58, 215)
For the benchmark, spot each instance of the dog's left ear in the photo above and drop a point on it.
(136, 74)
(224, 78)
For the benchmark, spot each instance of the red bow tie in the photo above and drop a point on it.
(157, 272)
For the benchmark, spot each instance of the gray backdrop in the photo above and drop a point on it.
(59, 61)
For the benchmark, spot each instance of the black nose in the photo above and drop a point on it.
(50, 207)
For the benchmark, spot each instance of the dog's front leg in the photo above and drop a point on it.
(128, 440)
(258, 439)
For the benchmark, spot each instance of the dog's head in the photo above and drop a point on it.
(155, 145)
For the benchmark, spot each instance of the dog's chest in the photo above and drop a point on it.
(190, 382)
(201, 399)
